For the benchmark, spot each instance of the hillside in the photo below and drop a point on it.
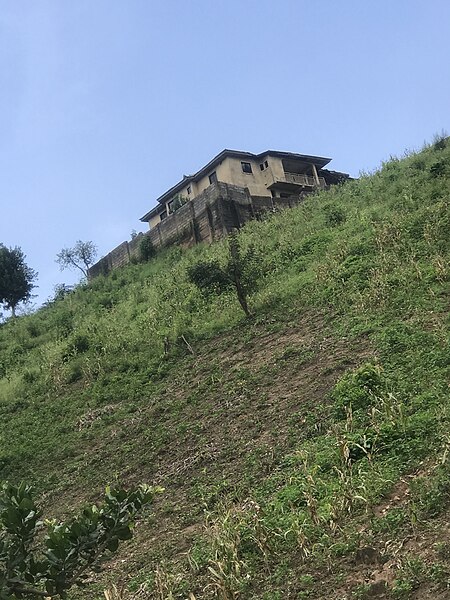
(303, 451)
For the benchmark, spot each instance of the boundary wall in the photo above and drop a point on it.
(210, 216)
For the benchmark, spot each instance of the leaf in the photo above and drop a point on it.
(124, 533)
(113, 544)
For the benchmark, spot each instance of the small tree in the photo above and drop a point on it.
(32, 567)
(81, 257)
(16, 278)
(238, 273)
(146, 249)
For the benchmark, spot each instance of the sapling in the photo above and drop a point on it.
(36, 566)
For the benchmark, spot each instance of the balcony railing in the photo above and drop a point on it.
(303, 179)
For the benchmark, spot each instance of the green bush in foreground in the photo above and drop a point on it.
(48, 569)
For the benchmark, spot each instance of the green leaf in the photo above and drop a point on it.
(113, 544)
(124, 533)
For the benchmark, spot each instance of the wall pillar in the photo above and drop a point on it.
(315, 175)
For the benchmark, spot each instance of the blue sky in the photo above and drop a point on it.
(104, 104)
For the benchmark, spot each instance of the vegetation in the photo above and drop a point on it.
(304, 451)
(240, 273)
(146, 249)
(81, 257)
(16, 278)
(70, 548)
(178, 201)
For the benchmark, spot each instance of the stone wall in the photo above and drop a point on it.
(208, 217)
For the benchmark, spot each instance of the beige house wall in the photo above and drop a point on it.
(258, 181)
(154, 221)
(230, 171)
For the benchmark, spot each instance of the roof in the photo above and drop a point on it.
(319, 161)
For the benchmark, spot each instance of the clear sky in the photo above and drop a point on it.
(104, 104)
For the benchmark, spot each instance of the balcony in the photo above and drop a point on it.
(302, 179)
(293, 181)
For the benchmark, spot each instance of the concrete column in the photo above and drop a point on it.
(315, 175)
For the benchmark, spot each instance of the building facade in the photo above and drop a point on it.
(271, 174)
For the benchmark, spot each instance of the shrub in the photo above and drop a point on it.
(209, 277)
(80, 343)
(74, 372)
(358, 389)
(146, 249)
(334, 216)
(35, 568)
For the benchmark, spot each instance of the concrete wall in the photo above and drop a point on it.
(220, 208)
(230, 171)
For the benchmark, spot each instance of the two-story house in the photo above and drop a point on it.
(269, 174)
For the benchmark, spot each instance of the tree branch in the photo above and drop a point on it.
(31, 591)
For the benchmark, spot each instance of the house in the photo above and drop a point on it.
(233, 188)
(271, 174)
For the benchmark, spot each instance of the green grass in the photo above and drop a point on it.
(278, 441)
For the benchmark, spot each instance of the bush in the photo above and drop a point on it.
(358, 389)
(334, 216)
(146, 249)
(209, 277)
(80, 343)
(32, 567)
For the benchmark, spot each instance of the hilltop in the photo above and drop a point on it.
(303, 451)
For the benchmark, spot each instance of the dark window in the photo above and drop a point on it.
(213, 178)
(261, 166)
(163, 215)
(246, 167)
(188, 189)
(266, 164)
(170, 206)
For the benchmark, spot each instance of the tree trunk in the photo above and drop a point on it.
(242, 296)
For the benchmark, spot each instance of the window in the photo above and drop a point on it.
(261, 166)
(266, 164)
(246, 167)
(170, 206)
(213, 178)
(163, 215)
(189, 190)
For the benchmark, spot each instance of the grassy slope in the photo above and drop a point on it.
(272, 487)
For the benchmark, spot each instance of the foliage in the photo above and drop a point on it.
(81, 257)
(178, 202)
(238, 272)
(209, 277)
(358, 389)
(16, 278)
(146, 249)
(62, 290)
(50, 568)
(334, 216)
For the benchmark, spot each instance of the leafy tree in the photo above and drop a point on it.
(240, 273)
(32, 567)
(16, 278)
(81, 256)
(146, 249)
